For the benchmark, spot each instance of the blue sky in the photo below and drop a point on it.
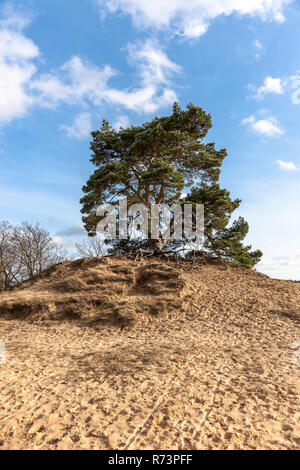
(64, 66)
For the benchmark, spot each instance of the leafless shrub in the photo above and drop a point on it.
(25, 252)
(92, 247)
(9, 264)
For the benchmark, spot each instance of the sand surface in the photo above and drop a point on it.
(217, 375)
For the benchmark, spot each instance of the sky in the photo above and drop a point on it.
(64, 66)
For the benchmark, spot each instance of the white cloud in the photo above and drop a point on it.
(16, 68)
(81, 128)
(192, 18)
(286, 266)
(268, 127)
(287, 166)
(143, 100)
(11, 18)
(64, 244)
(75, 81)
(257, 44)
(154, 65)
(296, 86)
(78, 81)
(270, 86)
(259, 49)
(59, 241)
(122, 121)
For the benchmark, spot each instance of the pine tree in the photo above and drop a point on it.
(152, 164)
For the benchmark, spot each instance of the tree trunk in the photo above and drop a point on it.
(156, 245)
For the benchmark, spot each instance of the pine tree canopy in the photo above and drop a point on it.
(153, 164)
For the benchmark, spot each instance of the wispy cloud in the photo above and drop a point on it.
(16, 67)
(81, 128)
(258, 48)
(296, 86)
(286, 266)
(270, 86)
(258, 45)
(74, 230)
(153, 63)
(191, 18)
(122, 121)
(78, 81)
(287, 166)
(15, 18)
(268, 127)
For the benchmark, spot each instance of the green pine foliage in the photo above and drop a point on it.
(152, 164)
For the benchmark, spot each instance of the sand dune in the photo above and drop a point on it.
(124, 354)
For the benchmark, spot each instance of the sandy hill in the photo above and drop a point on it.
(117, 353)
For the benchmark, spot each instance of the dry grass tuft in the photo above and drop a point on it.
(97, 291)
